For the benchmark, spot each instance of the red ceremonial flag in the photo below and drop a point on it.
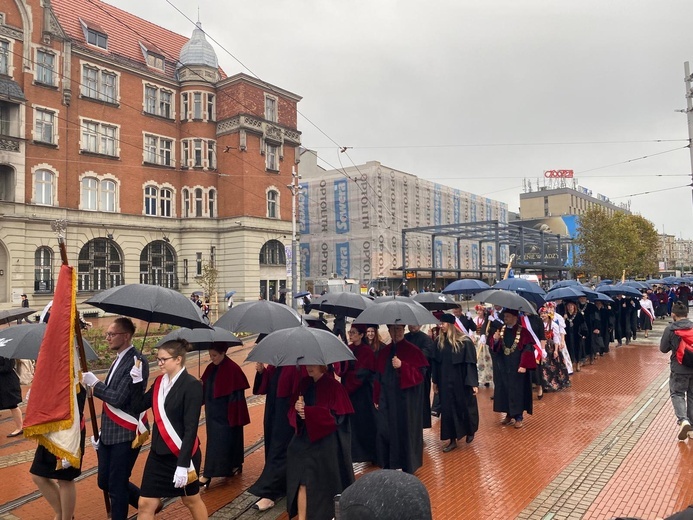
(52, 413)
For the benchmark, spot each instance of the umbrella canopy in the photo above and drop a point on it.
(507, 299)
(605, 281)
(260, 316)
(396, 312)
(390, 299)
(564, 283)
(434, 301)
(300, 346)
(24, 341)
(601, 297)
(315, 323)
(11, 315)
(466, 286)
(150, 303)
(674, 280)
(301, 294)
(636, 284)
(343, 303)
(519, 284)
(564, 293)
(625, 290)
(202, 339)
(229, 294)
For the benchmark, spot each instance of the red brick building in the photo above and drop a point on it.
(158, 161)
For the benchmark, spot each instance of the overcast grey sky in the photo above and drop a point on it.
(471, 94)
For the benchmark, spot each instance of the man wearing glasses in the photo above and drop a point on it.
(121, 430)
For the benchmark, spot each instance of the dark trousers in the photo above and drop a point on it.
(115, 465)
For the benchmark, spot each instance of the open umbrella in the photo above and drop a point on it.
(507, 299)
(259, 316)
(564, 293)
(396, 298)
(343, 303)
(619, 288)
(565, 283)
(11, 315)
(519, 285)
(601, 297)
(466, 286)
(301, 294)
(434, 301)
(315, 323)
(24, 341)
(150, 303)
(202, 339)
(300, 346)
(396, 313)
(229, 294)
(636, 284)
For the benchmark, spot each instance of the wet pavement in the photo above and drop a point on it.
(605, 447)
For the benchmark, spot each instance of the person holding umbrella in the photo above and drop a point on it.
(175, 457)
(513, 348)
(318, 457)
(226, 412)
(456, 379)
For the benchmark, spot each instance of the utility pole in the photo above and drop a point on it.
(294, 187)
(689, 115)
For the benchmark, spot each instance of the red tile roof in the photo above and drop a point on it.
(125, 32)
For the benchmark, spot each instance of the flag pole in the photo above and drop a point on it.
(59, 228)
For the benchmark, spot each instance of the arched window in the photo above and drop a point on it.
(43, 185)
(273, 253)
(272, 202)
(98, 194)
(43, 269)
(158, 265)
(166, 200)
(211, 199)
(100, 265)
(186, 203)
(90, 193)
(198, 202)
(150, 200)
(107, 196)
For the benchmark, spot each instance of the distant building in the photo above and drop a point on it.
(675, 254)
(159, 162)
(548, 202)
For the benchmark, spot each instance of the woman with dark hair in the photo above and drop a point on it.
(174, 459)
(11, 394)
(226, 413)
(319, 454)
(456, 379)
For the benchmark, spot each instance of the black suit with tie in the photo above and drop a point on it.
(116, 455)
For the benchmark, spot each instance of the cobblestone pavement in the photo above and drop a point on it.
(604, 447)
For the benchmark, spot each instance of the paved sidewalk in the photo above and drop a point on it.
(602, 448)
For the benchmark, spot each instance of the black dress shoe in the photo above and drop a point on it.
(469, 438)
(450, 447)
(205, 483)
(435, 414)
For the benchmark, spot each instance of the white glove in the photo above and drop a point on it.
(136, 371)
(65, 463)
(180, 477)
(89, 379)
(94, 443)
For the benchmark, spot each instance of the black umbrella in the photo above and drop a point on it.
(150, 303)
(300, 346)
(24, 341)
(202, 339)
(564, 293)
(619, 288)
(565, 283)
(396, 313)
(520, 285)
(260, 316)
(466, 286)
(601, 297)
(315, 323)
(434, 301)
(396, 298)
(11, 315)
(507, 299)
(343, 303)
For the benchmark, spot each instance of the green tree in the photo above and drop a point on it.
(608, 245)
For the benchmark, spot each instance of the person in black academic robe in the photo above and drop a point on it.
(426, 345)
(633, 313)
(618, 328)
(456, 379)
(278, 385)
(357, 378)
(575, 334)
(226, 413)
(626, 323)
(593, 323)
(513, 348)
(398, 394)
(319, 455)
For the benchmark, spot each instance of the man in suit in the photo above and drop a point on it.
(115, 452)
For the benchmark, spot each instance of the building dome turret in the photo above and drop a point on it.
(198, 51)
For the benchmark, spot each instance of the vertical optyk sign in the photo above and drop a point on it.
(343, 266)
(341, 206)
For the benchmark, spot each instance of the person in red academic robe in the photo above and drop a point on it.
(398, 395)
(278, 384)
(226, 412)
(357, 378)
(319, 454)
(513, 359)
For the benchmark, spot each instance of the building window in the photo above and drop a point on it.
(158, 101)
(198, 153)
(158, 265)
(273, 253)
(9, 120)
(100, 266)
(198, 202)
(198, 264)
(211, 108)
(155, 60)
(272, 201)
(99, 84)
(43, 270)
(185, 106)
(99, 138)
(211, 199)
(4, 57)
(151, 199)
(97, 38)
(43, 185)
(166, 202)
(193, 105)
(212, 256)
(158, 201)
(45, 67)
(98, 194)
(185, 270)
(197, 105)
(211, 155)
(158, 150)
(271, 109)
(271, 157)
(45, 126)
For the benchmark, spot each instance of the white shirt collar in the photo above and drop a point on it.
(168, 383)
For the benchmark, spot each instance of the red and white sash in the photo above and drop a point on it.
(139, 425)
(459, 325)
(166, 430)
(646, 311)
(539, 352)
